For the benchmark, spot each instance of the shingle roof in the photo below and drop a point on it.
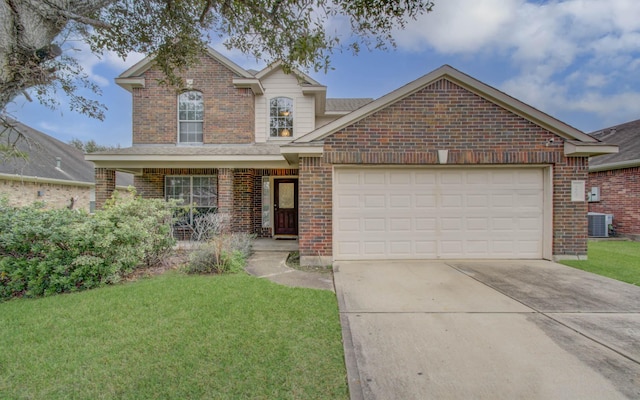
(626, 136)
(43, 152)
(346, 104)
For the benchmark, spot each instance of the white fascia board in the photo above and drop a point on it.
(249, 83)
(293, 153)
(137, 162)
(130, 83)
(179, 158)
(615, 165)
(576, 149)
(305, 151)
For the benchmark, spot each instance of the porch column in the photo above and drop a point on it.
(225, 192)
(105, 185)
(242, 220)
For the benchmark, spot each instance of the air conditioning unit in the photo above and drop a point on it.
(599, 224)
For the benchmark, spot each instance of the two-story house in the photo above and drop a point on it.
(443, 167)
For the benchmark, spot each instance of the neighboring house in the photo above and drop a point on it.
(53, 172)
(443, 167)
(616, 178)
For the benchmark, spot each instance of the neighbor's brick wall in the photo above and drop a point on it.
(228, 111)
(20, 194)
(442, 116)
(620, 196)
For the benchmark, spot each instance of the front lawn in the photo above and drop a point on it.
(616, 259)
(174, 337)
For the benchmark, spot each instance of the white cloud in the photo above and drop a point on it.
(458, 26)
(90, 61)
(572, 55)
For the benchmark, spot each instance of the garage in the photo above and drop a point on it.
(438, 213)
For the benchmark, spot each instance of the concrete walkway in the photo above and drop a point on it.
(269, 261)
(487, 330)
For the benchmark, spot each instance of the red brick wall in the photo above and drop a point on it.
(441, 116)
(150, 184)
(228, 111)
(620, 196)
(239, 192)
(315, 207)
(243, 191)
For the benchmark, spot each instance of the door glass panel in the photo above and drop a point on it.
(266, 202)
(286, 195)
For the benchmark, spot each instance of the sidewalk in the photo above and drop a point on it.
(271, 264)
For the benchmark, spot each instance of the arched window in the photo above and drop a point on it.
(190, 116)
(281, 112)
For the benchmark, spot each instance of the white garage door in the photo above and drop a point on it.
(438, 213)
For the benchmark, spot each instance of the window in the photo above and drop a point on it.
(190, 116)
(281, 112)
(198, 195)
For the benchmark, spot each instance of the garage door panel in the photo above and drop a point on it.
(400, 200)
(348, 201)
(400, 225)
(425, 201)
(438, 213)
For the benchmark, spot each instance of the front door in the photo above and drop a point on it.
(285, 207)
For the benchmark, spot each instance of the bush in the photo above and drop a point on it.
(221, 254)
(44, 252)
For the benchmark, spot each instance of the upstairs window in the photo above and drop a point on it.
(190, 116)
(281, 112)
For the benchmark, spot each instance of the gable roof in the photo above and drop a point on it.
(627, 137)
(132, 77)
(50, 159)
(577, 142)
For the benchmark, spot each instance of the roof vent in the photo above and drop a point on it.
(58, 162)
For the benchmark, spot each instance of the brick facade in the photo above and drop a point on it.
(442, 115)
(228, 111)
(620, 196)
(239, 192)
(105, 185)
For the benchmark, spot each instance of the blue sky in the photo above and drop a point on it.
(577, 60)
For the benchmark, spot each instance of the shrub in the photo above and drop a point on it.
(44, 252)
(221, 254)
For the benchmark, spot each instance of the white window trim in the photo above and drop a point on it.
(293, 124)
(178, 120)
(190, 204)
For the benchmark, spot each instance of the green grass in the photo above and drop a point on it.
(174, 337)
(616, 259)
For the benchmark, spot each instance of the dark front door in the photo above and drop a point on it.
(285, 207)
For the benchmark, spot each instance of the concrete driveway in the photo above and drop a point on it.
(487, 330)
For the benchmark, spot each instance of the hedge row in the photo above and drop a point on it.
(44, 252)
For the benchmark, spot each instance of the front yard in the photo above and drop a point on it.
(616, 259)
(174, 336)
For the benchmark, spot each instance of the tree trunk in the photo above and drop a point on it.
(28, 29)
